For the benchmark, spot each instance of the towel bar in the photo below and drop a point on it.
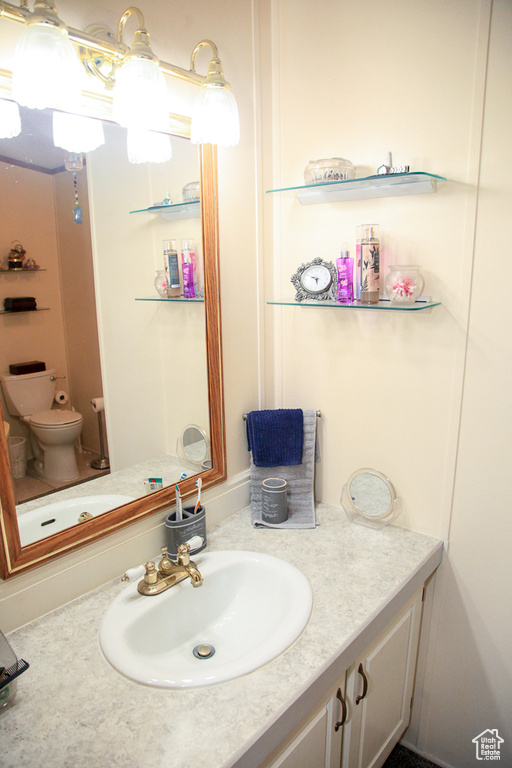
(244, 415)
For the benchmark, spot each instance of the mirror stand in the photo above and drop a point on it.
(369, 498)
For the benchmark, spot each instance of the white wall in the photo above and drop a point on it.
(470, 688)
(423, 397)
(153, 354)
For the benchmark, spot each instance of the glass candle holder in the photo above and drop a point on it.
(403, 284)
(161, 283)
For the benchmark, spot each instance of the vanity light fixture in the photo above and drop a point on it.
(10, 122)
(77, 133)
(215, 117)
(140, 98)
(46, 74)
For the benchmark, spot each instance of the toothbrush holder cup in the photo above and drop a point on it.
(180, 531)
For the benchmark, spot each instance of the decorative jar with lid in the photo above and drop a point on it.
(403, 284)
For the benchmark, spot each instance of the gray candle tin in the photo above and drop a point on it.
(274, 508)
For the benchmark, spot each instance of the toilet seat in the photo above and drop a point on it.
(55, 419)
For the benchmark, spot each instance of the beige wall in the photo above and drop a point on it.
(388, 384)
(37, 209)
(78, 302)
(153, 354)
(424, 397)
(28, 214)
(470, 687)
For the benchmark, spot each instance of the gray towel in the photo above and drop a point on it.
(301, 481)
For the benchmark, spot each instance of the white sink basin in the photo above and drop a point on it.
(52, 518)
(250, 608)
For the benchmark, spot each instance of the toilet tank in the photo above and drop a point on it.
(28, 393)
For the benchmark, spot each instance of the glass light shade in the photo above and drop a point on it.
(215, 118)
(10, 123)
(77, 133)
(140, 96)
(46, 70)
(148, 147)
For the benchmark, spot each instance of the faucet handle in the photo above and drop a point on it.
(165, 566)
(151, 575)
(184, 554)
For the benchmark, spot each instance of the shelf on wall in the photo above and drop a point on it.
(424, 302)
(175, 299)
(371, 186)
(190, 210)
(20, 271)
(23, 311)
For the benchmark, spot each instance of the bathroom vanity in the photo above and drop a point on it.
(341, 692)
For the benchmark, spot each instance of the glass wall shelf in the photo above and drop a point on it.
(20, 271)
(175, 211)
(424, 302)
(177, 298)
(23, 311)
(371, 186)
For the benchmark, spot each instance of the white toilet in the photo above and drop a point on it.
(30, 397)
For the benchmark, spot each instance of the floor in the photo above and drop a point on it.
(33, 487)
(404, 758)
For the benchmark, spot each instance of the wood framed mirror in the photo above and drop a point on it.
(16, 558)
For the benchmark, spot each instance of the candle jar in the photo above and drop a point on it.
(161, 283)
(403, 284)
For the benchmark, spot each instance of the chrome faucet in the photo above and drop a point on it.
(169, 572)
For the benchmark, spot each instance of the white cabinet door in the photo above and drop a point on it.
(380, 686)
(308, 750)
(318, 745)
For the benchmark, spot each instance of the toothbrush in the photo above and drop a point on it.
(179, 513)
(199, 485)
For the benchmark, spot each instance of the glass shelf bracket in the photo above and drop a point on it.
(390, 185)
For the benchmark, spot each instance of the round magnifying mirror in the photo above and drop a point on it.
(369, 496)
(193, 444)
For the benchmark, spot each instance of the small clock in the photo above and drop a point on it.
(315, 280)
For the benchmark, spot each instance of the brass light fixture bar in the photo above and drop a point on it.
(103, 52)
(110, 47)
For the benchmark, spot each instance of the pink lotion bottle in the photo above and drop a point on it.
(345, 269)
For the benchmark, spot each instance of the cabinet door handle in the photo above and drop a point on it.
(341, 722)
(365, 684)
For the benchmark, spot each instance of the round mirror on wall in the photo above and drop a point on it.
(193, 445)
(369, 498)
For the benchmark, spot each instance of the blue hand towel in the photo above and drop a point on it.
(275, 438)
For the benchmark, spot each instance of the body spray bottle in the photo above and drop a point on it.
(345, 269)
(172, 270)
(369, 266)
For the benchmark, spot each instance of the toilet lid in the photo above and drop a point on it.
(55, 418)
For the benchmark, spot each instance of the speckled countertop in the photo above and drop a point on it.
(73, 709)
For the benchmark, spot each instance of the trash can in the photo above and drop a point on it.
(18, 456)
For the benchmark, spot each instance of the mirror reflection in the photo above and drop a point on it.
(94, 242)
